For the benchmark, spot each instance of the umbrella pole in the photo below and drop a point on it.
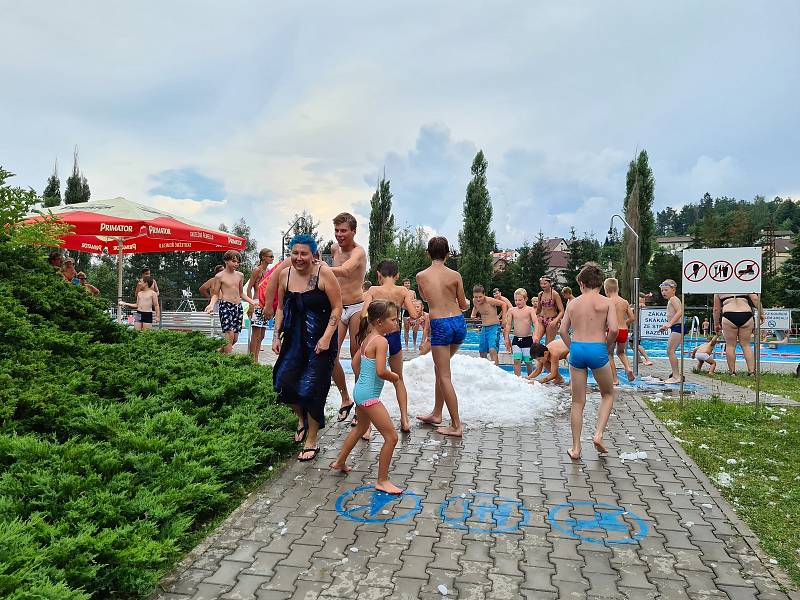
(119, 279)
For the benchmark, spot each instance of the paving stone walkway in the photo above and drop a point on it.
(290, 540)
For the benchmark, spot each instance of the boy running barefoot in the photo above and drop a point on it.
(704, 353)
(401, 297)
(443, 290)
(146, 305)
(548, 357)
(228, 288)
(490, 325)
(593, 320)
(674, 325)
(522, 318)
(624, 318)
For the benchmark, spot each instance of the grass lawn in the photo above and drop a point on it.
(754, 460)
(782, 384)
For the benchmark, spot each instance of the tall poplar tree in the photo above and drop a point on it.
(77, 190)
(476, 237)
(52, 192)
(381, 225)
(638, 207)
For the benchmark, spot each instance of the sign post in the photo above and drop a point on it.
(725, 271)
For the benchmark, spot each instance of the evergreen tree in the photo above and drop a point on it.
(664, 265)
(52, 193)
(302, 223)
(381, 225)
(581, 250)
(250, 252)
(85, 192)
(410, 252)
(533, 262)
(789, 278)
(638, 208)
(77, 189)
(476, 237)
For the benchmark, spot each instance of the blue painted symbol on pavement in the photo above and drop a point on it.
(480, 512)
(608, 524)
(365, 504)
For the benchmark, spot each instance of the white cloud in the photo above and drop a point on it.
(302, 107)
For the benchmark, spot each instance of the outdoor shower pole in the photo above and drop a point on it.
(635, 293)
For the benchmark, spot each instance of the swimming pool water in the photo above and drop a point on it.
(786, 353)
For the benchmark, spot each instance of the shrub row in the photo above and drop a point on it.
(115, 448)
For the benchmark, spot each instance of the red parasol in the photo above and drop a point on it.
(118, 226)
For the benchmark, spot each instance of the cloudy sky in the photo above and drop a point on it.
(221, 110)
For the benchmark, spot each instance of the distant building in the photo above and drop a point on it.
(557, 245)
(499, 264)
(507, 255)
(674, 243)
(559, 260)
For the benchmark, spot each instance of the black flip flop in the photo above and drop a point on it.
(314, 450)
(301, 433)
(344, 412)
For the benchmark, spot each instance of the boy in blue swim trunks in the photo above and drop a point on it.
(594, 333)
(522, 318)
(489, 344)
(402, 298)
(443, 289)
(674, 325)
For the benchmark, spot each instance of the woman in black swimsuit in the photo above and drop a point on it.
(733, 316)
(309, 309)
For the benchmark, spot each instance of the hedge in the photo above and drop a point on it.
(116, 448)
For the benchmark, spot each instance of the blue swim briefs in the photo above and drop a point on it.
(394, 342)
(588, 355)
(675, 328)
(490, 338)
(448, 330)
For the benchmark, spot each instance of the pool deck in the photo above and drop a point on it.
(500, 513)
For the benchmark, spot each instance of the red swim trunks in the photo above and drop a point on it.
(622, 336)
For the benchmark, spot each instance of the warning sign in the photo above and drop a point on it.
(695, 271)
(747, 270)
(722, 270)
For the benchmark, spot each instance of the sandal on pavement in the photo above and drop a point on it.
(314, 451)
(344, 412)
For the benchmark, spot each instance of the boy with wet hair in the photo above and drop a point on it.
(443, 289)
(593, 320)
(547, 359)
(624, 318)
(489, 344)
(228, 288)
(387, 289)
(522, 318)
(674, 325)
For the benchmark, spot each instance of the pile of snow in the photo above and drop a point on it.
(486, 394)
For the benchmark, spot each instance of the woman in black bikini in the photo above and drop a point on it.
(733, 316)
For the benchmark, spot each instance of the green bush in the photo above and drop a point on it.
(115, 448)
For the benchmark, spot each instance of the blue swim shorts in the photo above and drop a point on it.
(448, 330)
(394, 342)
(588, 355)
(490, 338)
